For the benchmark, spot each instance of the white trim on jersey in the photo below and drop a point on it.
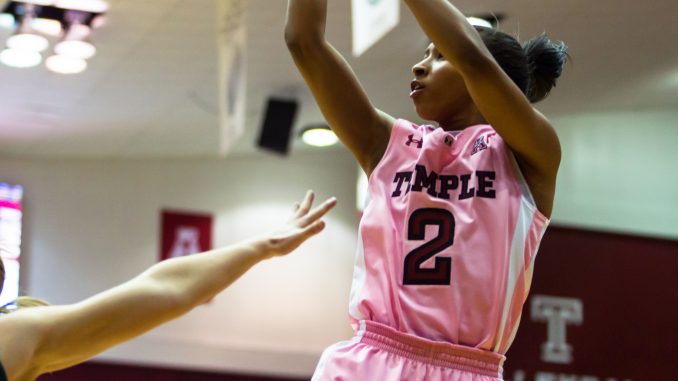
(524, 187)
(359, 275)
(528, 279)
(516, 264)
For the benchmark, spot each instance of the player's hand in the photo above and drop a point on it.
(305, 223)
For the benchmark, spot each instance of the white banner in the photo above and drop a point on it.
(233, 74)
(372, 20)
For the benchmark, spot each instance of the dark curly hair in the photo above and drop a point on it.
(534, 66)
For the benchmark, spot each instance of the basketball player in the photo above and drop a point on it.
(44, 339)
(456, 212)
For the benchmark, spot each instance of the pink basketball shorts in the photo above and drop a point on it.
(380, 353)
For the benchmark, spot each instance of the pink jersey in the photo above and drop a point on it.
(448, 238)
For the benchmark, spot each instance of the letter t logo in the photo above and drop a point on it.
(557, 313)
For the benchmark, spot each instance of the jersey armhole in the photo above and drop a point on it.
(389, 147)
(527, 198)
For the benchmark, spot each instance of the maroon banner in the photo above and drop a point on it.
(603, 307)
(184, 233)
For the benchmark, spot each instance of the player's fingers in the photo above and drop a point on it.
(318, 212)
(295, 207)
(312, 229)
(306, 203)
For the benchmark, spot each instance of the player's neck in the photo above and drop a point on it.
(459, 121)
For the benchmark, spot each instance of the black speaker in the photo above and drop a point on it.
(278, 121)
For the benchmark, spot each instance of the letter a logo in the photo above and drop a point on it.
(186, 241)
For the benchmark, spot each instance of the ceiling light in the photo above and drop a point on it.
(486, 20)
(76, 43)
(319, 136)
(7, 21)
(49, 27)
(20, 58)
(25, 37)
(35, 20)
(76, 49)
(93, 6)
(477, 21)
(27, 41)
(38, 2)
(65, 65)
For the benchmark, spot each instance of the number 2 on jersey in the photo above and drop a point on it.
(441, 273)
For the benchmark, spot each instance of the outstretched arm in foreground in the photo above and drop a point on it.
(44, 339)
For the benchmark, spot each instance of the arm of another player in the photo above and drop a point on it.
(342, 100)
(44, 339)
(528, 133)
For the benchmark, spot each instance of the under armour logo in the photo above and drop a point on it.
(411, 139)
(479, 145)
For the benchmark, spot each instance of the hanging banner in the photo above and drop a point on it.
(372, 20)
(10, 239)
(602, 308)
(184, 234)
(232, 71)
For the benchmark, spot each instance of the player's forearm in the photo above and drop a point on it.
(164, 292)
(305, 21)
(449, 31)
(193, 280)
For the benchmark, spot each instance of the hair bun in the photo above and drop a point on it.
(545, 59)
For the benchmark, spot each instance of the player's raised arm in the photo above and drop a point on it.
(502, 103)
(44, 339)
(342, 100)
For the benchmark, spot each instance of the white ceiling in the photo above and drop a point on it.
(151, 91)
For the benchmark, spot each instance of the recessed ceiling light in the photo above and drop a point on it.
(476, 21)
(47, 26)
(38, 2)
(76, 43)
(94, 6)
(319, 136)
(487, 20)
(27, 41)
(75, 48)
(65, 65)
(20, 58)
(7, 21)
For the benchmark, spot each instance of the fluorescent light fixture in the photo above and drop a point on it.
(93, 6)
(477, 21)
(66, 65)
(20, 58)
(319, 136)
(46, 26)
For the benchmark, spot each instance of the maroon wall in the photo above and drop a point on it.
(627, 290)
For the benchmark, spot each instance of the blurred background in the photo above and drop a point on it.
(196, 106)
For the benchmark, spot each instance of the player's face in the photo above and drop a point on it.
(438, 90)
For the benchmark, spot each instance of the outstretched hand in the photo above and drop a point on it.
(305, 223)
